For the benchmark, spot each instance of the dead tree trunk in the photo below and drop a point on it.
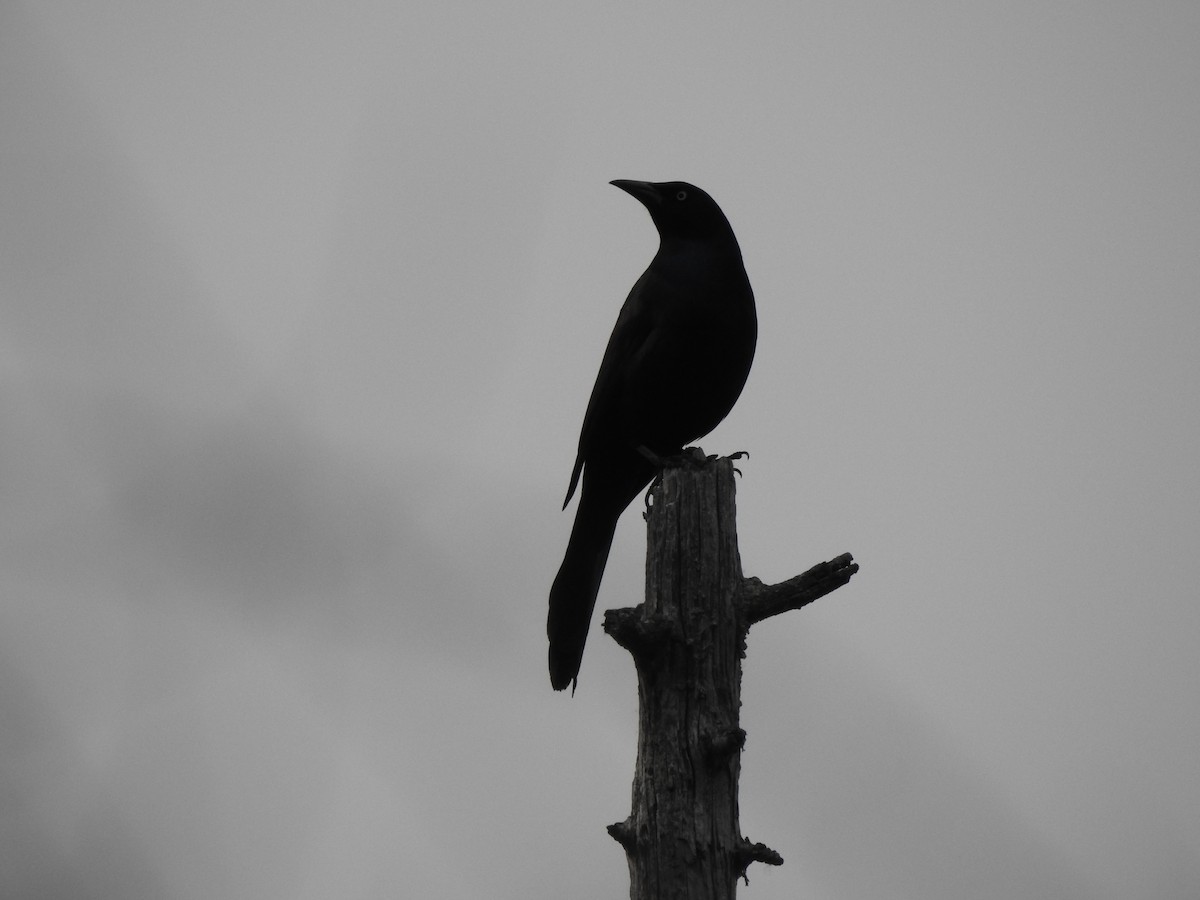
(687, 640)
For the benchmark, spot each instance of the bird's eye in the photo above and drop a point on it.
(682, 195)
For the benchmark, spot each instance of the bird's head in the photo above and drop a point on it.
(679, 209)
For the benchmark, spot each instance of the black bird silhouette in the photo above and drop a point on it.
(675, 364)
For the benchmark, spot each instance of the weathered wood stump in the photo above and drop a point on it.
(687, 640)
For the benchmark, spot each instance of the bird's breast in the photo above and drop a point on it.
(689, 372)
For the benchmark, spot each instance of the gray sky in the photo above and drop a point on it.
(301, 305)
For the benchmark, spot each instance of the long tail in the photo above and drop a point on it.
(573, 595)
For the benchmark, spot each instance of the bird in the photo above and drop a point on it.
(675, 364)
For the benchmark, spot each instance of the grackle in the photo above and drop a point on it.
(675, 364)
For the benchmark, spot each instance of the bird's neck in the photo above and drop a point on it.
(699, 254)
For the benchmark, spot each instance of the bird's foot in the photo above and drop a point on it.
(695, 458)
(739, 454)
(692, 457)
(654, 483)
(688, 458)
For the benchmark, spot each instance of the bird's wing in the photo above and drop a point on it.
(635, 332)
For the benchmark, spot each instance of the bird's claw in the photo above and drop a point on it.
(738, 454)
(689, 457)
(654, 482)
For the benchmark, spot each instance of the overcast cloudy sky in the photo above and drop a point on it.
(300, 306)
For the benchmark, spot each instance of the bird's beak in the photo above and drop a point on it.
(645, 191)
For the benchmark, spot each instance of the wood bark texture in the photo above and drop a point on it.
(682, 838)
